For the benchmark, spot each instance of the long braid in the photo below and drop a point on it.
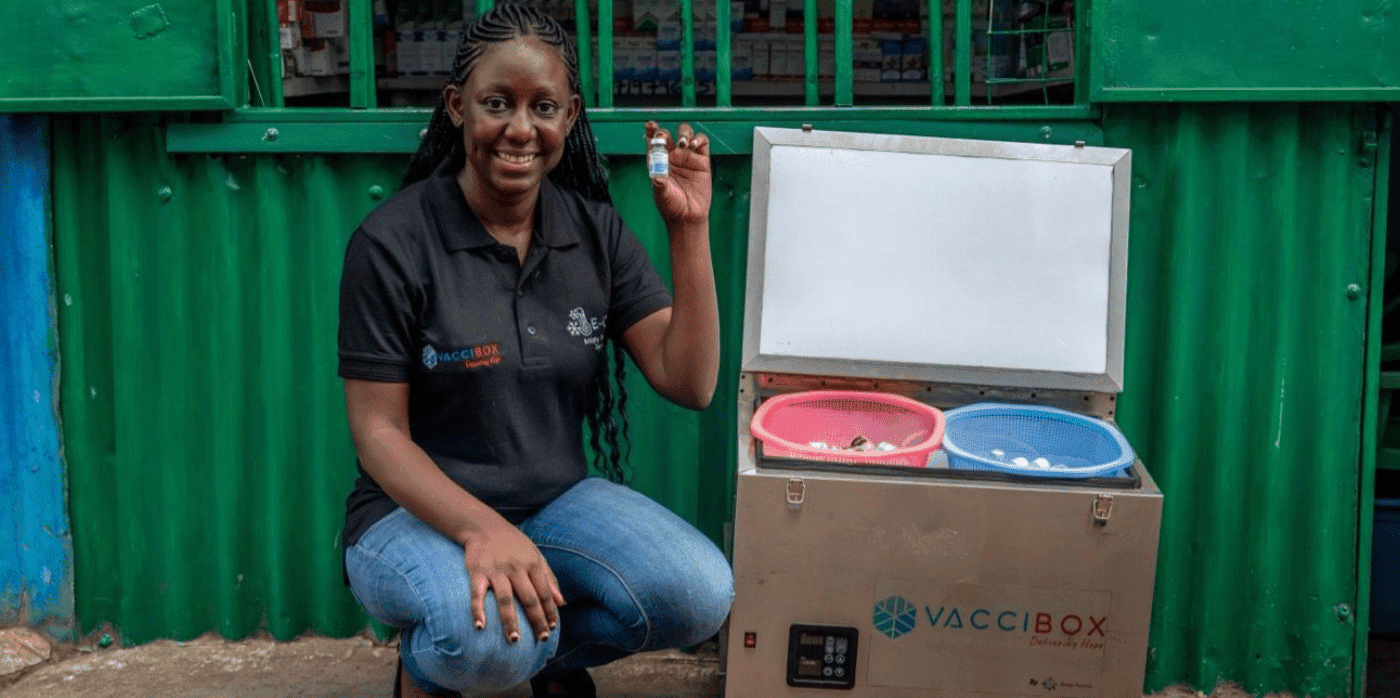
(581, 168)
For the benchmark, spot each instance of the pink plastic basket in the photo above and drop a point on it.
(788, 425)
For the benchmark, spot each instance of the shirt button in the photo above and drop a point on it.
(531, 330)
(520, 292)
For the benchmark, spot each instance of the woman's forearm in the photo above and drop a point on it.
(405, 471)
(690, 347)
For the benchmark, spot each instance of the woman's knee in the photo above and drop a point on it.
(454, 654)
(689, 609)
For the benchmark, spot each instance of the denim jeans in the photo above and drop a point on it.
(635, 577)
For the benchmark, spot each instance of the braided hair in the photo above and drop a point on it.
(581, 169)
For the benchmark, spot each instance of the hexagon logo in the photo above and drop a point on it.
(895, 617)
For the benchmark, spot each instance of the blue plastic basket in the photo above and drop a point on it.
(989, 436)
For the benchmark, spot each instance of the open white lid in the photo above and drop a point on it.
(937, 259)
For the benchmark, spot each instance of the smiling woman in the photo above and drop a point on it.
(515, 110)
(479, 306)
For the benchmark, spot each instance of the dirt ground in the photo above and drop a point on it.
(358, 667)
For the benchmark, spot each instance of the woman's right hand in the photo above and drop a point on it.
(504, 560)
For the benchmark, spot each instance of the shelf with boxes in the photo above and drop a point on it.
(1016, 50)
(312, 35)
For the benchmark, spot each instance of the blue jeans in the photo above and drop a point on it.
(635, 576)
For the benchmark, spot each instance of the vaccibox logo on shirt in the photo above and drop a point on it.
(591, 329)
(487, 354)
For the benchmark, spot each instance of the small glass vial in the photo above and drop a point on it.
(658, 163)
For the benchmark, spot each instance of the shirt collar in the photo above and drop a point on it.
(462, 230)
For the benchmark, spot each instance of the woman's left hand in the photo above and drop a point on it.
(684, 195)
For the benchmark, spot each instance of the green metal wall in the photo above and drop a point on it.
(1245, 381)
(208, 454)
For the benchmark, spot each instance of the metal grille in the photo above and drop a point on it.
(678, 53)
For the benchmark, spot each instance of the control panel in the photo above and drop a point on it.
(821, 656)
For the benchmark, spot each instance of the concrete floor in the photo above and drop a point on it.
(311, 667)
(318, 667)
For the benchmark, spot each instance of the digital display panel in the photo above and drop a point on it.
(821, 656)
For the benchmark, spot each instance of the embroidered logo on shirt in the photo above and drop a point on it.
(580, 325)
(488, 354)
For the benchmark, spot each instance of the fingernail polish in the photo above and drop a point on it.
(514, 638)
(544, 636)
(480, 625)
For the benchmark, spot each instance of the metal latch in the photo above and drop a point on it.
(796, 492)
(1102, 509)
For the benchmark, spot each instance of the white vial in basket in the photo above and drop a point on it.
(658, 163)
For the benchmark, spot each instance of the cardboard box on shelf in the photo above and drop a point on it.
(777, 55)
(705, 35)
(796, 56)
(288, 28)
(340, 54)
(443, 48)
(645, 14)
(454, 37)
(913, 60)
(668, 35)
(407, 51)
(644, 58)
(315, 58)
(322, 19)
(741, 59)
(777, 15)
(761, 53)
(867, 59)
(704, 66)
(624, 61)
(891, 60)
(668, 71)
(288, 36)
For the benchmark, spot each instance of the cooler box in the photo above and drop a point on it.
(952, 272)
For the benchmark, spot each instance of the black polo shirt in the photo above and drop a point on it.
(498, 356)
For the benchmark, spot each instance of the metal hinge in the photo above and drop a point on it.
(796, 492)
(1370, 143)
(1102, 509)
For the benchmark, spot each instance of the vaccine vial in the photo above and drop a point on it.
(658, 163)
